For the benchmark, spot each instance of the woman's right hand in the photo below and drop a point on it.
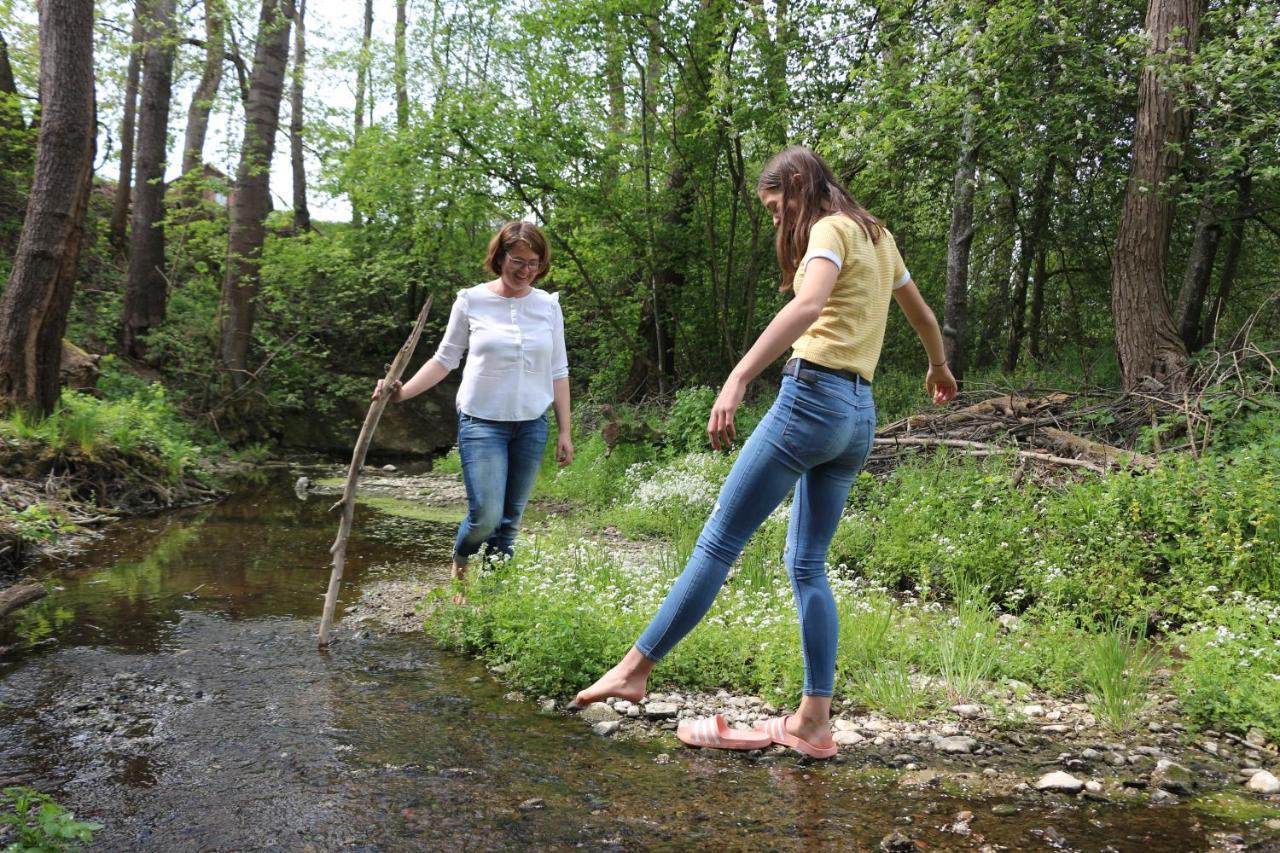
(395, 391)
(940, 384)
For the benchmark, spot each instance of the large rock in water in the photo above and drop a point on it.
(424, 425)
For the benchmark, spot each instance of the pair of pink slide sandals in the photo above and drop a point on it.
(714, 733)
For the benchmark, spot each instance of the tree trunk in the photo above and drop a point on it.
(215, 26)
(1032, 253)
(252, 188)
(362, 74)
(120, 208)
(147, 290)
(301, 213)
(11, 116)
(1147, 342)
(959, 239)
(1235, 240)
(33, 308)
(401, 67)
(1199, 273)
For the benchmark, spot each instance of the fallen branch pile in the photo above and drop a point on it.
(1043, 430)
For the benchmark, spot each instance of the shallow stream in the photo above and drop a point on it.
(171, 689)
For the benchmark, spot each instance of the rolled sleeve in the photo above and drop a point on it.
(559, 355)
(456, 335)
(824, 242)
(901, 275)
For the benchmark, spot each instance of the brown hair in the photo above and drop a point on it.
(506, 239)
(808, 186)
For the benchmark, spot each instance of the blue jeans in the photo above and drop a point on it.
(815, 437)
(500, 461)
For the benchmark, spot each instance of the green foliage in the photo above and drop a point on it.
(1229, 678)
(888, 687)
(1117, 671)
(34, 524)
(37, 824)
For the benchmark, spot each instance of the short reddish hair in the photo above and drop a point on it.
(507, 238)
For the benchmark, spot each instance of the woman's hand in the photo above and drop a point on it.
(940, 384)
(564, 449)
(720, 425)
(395, 391)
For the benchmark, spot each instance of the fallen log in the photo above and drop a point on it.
(20, 595)
(348, 501)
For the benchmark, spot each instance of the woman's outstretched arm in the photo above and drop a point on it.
(939, 382)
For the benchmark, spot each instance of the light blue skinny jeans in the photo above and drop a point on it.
(815, 437)
(500, 462)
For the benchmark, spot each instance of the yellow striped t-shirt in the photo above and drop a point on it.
(849, 332)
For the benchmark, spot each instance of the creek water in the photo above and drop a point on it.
(170, 689)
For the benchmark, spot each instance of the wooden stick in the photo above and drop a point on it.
(977, 448)
(20, 595)
(348, 502)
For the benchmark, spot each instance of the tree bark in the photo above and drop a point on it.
(1198, 274)
(147, 291)
(252, 198)
(124, 187)
(20, 595)
(33, 308)
(1235, 240)
(215, 27)
(401, 67)
(10, 118)
(1147, 342)
(362, 74)
(959, 240)
(1032, 253)
(301, 213)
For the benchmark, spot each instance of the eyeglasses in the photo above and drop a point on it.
(522, 264)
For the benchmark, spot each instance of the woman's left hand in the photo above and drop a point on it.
(564, 450)
(720, 425)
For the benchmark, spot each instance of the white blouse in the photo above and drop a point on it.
(516, 349)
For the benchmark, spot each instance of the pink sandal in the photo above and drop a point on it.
(714, 733)
(776, 729)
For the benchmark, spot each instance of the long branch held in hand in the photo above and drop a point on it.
(348, 502)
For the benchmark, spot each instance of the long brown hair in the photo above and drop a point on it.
(810, 191)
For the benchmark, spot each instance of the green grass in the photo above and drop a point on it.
(1118, 664)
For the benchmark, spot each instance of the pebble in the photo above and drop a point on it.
(1004, 809)
(547, 705)
(897, 842)
(605, 728)
(1273, 823)
(1090, 754)
(918, 778)
(388, 467)
(1093, 786)
(622, 706)
(662, 758)
(847, 738)
(1059, 781)
(661, 710)
(1160, 795)
(967, 712)
(599, 712)
(1173, 777)
(843, 725)
(1033, 710)
(1256, 737)
(956, 745)
(532, 804)
(1263, 782)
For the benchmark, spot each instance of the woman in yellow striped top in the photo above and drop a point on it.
(844, 267)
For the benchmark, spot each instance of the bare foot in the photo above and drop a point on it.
(818, 734)
(627, 681)
(458, 571)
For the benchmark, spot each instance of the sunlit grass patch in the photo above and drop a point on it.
(1118, 663)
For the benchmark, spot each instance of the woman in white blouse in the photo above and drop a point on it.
(516, 368)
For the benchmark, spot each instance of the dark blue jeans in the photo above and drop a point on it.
(500, 462)
(815, 438)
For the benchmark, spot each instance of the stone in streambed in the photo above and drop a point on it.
(1172, 777)
(532, 804)
(605, 728)
(599, 712)
(1263, 782)
(968, 712)
(661, 710)
(1060, 782)
(956, 745)
(847, 738)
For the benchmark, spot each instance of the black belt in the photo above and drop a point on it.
(798, 367)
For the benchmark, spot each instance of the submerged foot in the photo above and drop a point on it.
(459, 574)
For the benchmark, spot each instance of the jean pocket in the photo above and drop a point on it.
(815, 433)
